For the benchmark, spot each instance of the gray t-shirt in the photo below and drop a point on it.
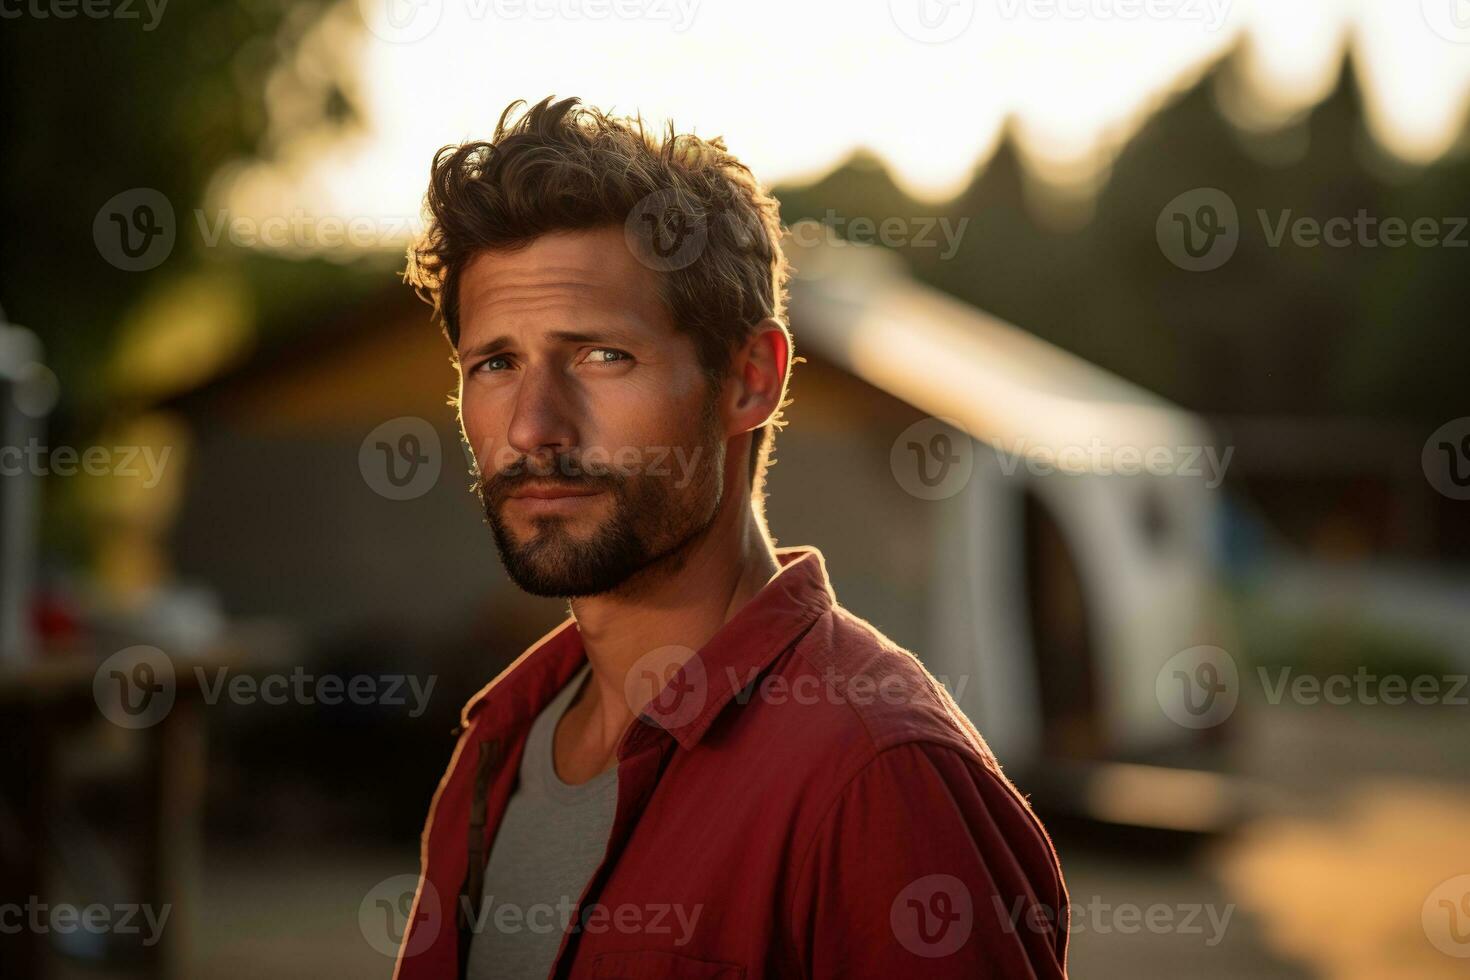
(551, 841)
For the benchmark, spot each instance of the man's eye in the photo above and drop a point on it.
(495, 364)
(606, 355)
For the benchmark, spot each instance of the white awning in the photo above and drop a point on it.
(856, 306)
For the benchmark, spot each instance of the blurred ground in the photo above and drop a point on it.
(1362, 812)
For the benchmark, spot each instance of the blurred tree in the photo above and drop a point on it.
(97, 106)
(1366, 329)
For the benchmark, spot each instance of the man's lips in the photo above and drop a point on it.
(550, 501)
(552, 492)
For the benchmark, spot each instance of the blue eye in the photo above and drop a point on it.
(606, 355)
(495, 364)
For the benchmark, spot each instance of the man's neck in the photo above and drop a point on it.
(721, 571)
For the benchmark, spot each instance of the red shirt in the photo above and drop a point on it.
(803, 800)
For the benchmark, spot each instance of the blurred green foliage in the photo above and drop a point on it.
(1366, 331)
(1321, 643)
(95, 106)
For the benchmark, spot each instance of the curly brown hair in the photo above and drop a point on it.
(691, 211)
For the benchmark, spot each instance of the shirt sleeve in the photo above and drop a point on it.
(930, 864)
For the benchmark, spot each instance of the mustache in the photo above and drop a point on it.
(563, 470)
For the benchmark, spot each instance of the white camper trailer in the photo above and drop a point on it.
(1052, 575)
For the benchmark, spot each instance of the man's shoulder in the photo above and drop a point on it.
(851, 693)
(860, 718)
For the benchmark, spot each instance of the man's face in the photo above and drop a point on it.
(595, 428)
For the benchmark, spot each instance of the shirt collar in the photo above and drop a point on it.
(739, 652)
(785, 607)
(518, 694)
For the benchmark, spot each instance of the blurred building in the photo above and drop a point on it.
(1047, 596)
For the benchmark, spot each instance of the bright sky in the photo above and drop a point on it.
(795, 86)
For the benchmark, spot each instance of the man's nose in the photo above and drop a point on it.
(543, 419)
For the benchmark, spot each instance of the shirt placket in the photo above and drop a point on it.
(642, 762)
(491, 750)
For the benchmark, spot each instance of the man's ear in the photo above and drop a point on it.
(758, 373)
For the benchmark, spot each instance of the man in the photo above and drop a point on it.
(711, 769)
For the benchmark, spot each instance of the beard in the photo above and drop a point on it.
(652, 525)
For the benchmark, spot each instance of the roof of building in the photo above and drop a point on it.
(856, 306)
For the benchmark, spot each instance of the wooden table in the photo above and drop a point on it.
(41, 706)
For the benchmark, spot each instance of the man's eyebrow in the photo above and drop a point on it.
(562, 336)
(486, 347)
